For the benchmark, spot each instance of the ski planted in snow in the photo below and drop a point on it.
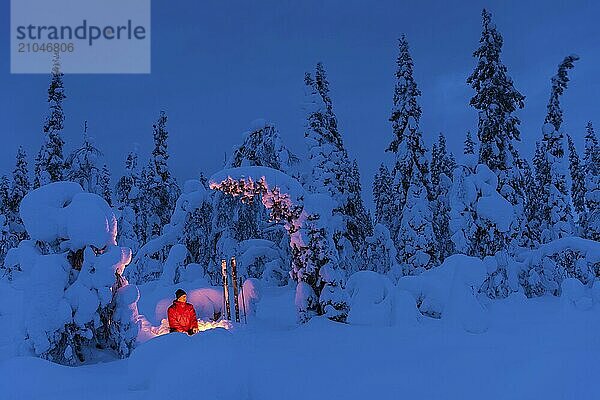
(235, 289)
(226, 309)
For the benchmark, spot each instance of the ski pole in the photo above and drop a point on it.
(226, 311)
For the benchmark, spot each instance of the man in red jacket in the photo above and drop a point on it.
(182, 316)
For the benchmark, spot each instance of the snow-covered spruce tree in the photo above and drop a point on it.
(6, 239)
(552, 170)
(236, 222)
(127, 196)
(418, 247)
(19, 188)
(383, 196)
(469, 146)
(82, 164)
(263, 146)
(497, 99)
(104, 185)
(592, 183)
(332, 171)
(165, 189)
(530, 232)
(406, 144)
(159, 189)
(49, 165)
(410, 172)
(443, 165)
(577, 182)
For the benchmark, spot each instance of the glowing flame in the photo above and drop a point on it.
(206, 325)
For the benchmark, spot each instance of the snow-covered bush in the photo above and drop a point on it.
(450, 292)
(543, 270)
(263, 259)
(374, 300)
(71, 270)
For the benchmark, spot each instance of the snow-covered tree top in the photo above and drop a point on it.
(272, 178)
(559, 84)
(61, 212)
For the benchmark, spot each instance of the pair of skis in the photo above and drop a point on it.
(234, 279)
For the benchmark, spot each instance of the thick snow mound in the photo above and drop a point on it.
(156, 365)
(375, 301)
(40, 210)
(449, 292)
(61, 211)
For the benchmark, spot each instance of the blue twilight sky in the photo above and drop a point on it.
(216, 66)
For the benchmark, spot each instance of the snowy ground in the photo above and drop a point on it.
(536, 348)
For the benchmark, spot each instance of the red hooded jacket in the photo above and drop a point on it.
(182, 317)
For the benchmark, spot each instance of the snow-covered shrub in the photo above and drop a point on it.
(263, 259)
(71, 271)
(450, 292)
(374, 300)
(543, 270)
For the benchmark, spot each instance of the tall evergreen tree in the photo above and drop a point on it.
(7, 240)
(49, 164)
(496, 99)
(4, 195)
(413, 232)
(592, 183)
(383, 196)
(442, 170)
(104, 185)
(533, 208)
(407, 144)
(577, 178)
(558, 221)
(19, 188)
(469, 147)
(82, 164)
(332, 171)
(591, 156)
(20, 181)
(128, 198)
(159, 187)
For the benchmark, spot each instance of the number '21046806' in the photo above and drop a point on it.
(46, 47)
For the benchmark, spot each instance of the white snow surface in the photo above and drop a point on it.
(533, 348)
(536, 348)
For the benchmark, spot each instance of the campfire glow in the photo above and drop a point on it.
(202, 326)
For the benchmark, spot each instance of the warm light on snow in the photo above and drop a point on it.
(202, 326)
